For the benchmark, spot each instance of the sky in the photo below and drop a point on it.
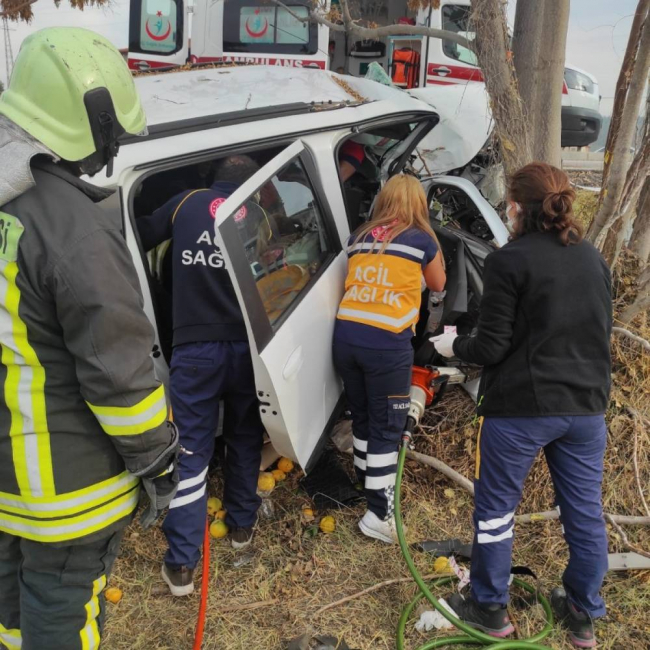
(598, 32)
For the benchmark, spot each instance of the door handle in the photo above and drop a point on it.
(443, 72)
(293, 364)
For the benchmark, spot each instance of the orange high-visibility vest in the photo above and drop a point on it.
(384, 290)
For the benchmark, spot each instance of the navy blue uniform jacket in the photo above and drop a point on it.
(205, 306)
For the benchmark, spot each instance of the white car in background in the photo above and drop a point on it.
(581, 118)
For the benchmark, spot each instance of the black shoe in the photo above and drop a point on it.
(491, 619)
(241, 537)
(578, 623)
(180, 581)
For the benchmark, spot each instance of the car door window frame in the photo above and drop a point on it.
(177, 162)
(263, 329)
(398, 163)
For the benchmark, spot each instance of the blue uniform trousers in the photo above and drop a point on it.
(574, 448)
(202, 374)
(377, 385)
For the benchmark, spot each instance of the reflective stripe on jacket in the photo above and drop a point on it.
(80, 408)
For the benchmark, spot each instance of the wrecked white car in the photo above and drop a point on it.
(293, 122)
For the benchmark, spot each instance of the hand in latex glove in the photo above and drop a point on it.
(444, 344)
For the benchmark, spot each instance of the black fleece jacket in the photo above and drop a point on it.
(543, 331)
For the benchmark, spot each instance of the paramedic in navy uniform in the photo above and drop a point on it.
(211, 361)
(543, 339)
(388, 259)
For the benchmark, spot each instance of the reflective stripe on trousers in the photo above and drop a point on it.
(90, 632)
(55, 601)
(574, 448)
(376, 385)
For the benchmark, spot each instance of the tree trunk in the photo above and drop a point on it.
(640, 241)
(622, 84)
(629, 95)
(539, 45)
(491, 47)
(525, 48)
(642, 301)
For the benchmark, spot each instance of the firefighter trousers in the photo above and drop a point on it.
(51, 595)
(202, 375)
(377, 385)
(574, 448)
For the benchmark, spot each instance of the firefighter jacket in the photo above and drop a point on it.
(81, 412)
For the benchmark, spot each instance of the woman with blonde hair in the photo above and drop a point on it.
(389, 258)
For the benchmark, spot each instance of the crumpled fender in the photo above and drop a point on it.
(465, 125)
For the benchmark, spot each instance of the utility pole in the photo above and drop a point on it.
(9, 54)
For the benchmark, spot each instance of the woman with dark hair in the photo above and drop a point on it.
(543, 339)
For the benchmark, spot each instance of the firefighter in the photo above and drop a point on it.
(389, 258)
(543, 339)
(211, 362)
(82, 416)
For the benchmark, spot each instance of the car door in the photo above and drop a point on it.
(287, 266)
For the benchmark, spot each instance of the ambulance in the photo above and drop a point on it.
(167, 33)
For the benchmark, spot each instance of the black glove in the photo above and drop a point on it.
(160, 480)
(160, 490)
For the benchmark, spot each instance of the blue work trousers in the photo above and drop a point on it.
(377, 385)
(574, 448)
(202, 375)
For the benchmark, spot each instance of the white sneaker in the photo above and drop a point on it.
(372, 526)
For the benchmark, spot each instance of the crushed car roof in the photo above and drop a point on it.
(192, 94)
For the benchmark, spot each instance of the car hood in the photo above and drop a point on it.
(465, 125)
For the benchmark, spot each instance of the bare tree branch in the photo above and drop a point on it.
(550, 515)
(624, 538)
(629, 96)
(638, 424)
(621, 331)
(366, 33)
(491, 47)
(14, 12)
(443, 468)
(369, 590)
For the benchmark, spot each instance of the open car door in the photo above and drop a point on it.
(285, 259)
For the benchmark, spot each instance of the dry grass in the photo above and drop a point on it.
(299, 574)
(292, 574)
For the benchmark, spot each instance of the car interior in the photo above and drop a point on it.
(285, 245)
(465, 240)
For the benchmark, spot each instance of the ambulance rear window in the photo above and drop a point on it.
(261, 27)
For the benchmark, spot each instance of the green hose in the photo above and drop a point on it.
(472, 636)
